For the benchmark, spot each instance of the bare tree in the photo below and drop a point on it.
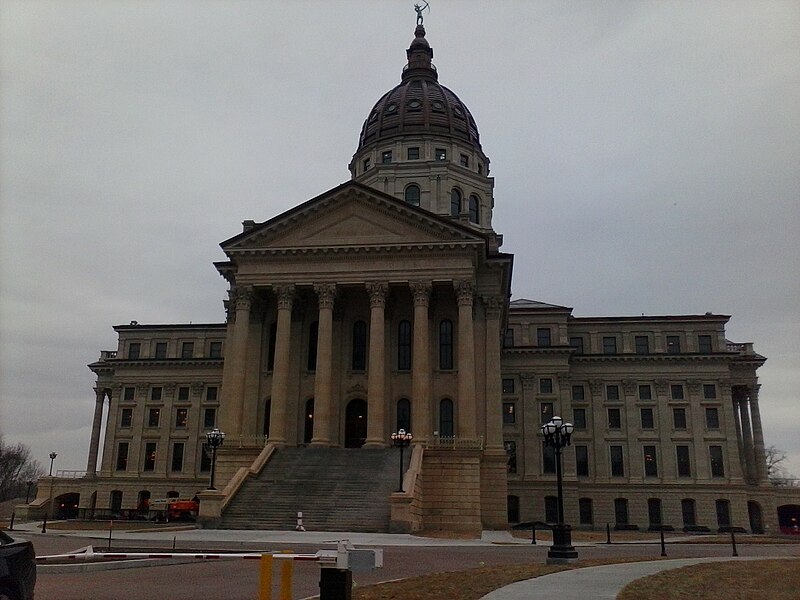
(17, 468)
(776, 469)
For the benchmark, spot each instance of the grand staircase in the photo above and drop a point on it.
(337, 489)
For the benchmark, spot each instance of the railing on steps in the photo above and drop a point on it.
(238, 479)
(245, 441)
(454, 443)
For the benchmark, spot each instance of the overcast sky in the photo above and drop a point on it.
(646, 156)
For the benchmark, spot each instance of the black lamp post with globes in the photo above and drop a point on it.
(214, 438)
(401, 439)
(557, 435)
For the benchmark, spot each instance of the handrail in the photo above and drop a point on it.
(242, 473)
(454, 443)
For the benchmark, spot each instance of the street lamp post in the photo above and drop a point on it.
(52, 460)
(401, 439)
(557, 435)
(215, 437)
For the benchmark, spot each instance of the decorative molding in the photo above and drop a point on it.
(661, 387)
(197, 388)
(285, 295)
(596, 387)
(693, 386)
(421, 291)
(528, 381)
(464, 292)
(326, 294)
(493, 306)
(377, 294)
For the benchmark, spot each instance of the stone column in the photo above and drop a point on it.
(747, 438)
(234, 370)
(759, 452)
(732, 429)
(376, 371)
(97, 423)
(494, 386)
(466, 361)
(280, 371)
(421, 425)
(322, 380)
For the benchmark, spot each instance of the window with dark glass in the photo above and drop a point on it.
(412, 195)
(545, 385)
(367, 164)
(582, 461)
(122, 456)
(386, 156)
(508, 338)
(647, 418)
(215, 350)
(683, 461)
(313, 337)
(181, 417)
(676, 391)
(542, 336)
(617, 461)
(209, 418)
(187, 349)
(149, 456)
(474, 210)
(612, 392)
(717, 464)
(161, 350)
(129, 394)
(404, 414)
(126, 418)
(650, 462)
(614, 418)
(548, 459)
(205, 458)
(440, 154)
(508, 385)
(679, 418)
(134, 349)
(621, 511)
(413, 153)
(688, 512)
(641, 344)
(480, 168)
(551, 509)
(359, 346)
(153, 417)
(446, 344)
(673, 344)
(609, 345)
(723, 513)
(709, 391)
(645, 392)
(579, 418)
(211, 393)
(509, 413)
(704, 344)
(578, 393)
(455, 202)
(585, 511)
(183, 393)
(654, 511)
(177, 457)
(712, 417)
(273, 334)
(577, 343)
(446, 424)
(545, 412)
(115, 501)
(511, 456)
(404, 346)
(464, 160)
(155, 393)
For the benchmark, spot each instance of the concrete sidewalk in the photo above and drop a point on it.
(597, 583)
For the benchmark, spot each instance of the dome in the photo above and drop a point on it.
(419, 104)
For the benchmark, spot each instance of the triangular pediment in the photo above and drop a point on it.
(351, 215)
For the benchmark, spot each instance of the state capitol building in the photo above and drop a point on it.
(384, 304)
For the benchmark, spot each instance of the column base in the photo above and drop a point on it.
(372, 445)
(320, 443)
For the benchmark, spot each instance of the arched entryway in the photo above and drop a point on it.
(756, 520)
(66, 506)
(355, 424)
(789, 519)
(308, 427)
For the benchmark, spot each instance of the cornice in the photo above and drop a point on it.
(167, 362)
(353, 250)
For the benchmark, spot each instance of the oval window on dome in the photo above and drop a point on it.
(438, 105)
(458, 112)
(414, 104)
(412, 194)
(391, 108)
(373, 116)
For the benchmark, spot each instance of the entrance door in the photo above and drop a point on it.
(308, 429)
(355, 424)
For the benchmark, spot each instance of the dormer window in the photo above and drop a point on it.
(440, 154)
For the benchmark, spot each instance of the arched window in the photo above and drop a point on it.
(359, 346)
(446, 344)
(404, 414)
(455, 202)
(412, 194)
(116, 501)
(446, 428)
(404, 346)
(474, 210)
(313, 334)
(273, 333)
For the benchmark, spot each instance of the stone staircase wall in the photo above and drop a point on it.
(451, 481)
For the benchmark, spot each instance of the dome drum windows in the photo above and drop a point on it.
(412, 194)
(474, 210)
(455, 202)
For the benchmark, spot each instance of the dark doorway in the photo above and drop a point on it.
(355, 424)
(66, 506)
(789, 519)
(756, 522)
(308, 429)
(513, 509)
(267, 415)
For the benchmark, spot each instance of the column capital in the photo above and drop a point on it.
(242, 296)
(493, 305)
(377, 294)
(693, 386)
(629, 386)
(464, 292)
(752, 390)
(101, 392)
(528, 381)
(421, 291)
(563, 380)
(596, 386)
(285, 295)
(326, 293)
(661, 386)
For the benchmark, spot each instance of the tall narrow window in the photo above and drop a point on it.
(446, 344)
(209, 418)
(508, 338)
(654, 512)
(717, 465)
(542, 336)
(177, 457)
(187, 349)
(688, 512)
(122, 456)
(609, 345)
(181, 417)
(647, 418)
(212, 393)
(313, 335)
(404, 414)
(548, 459)
(446, 418)
(684, 464)
(509, 413)
(712, 417)
(577, 343)
(704, 344)
(134, 348)
(511, 456)
(621, 511)
(455, 202)
(273, 334)
(412, 195)
(474, 210)
(127, 418)
(679, 418)
(650, 462)
(149, 456)
(205, 458)
(723, 513)
(551, 509)
(545, 385)
(578, 393)
(585, 511)
(614, 418)
(709, 391)
(582, 461)
(579, 418)
(642, 344)
(215, 350)
(404, 346)
(161, 350)
(617, 464)
(673, 344)
(359, 346)
(645, 392)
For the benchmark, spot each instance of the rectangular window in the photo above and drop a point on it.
(683, 461)
(654, 512)
(578, 393)
(647, 418)
(126, 418)
(155, 394)
(704, 344)
(129, 394)
(579, 418)
(612, 392)
(609, 345)
(543, 336)
(209, 418)
(509, 413)
(149, 456)
(413, 153)
(445, 345)
(464, 160)
(122, 456)
(717, 464)
(546, 412)
(673, 344)
(585, 511)
(181, 417)
(614, 418)
(386, 156)
(205, 459)
(134, 349)
(440, 154)
(723, 513)
(177, 457)
(621, 511)
(508, 338)
(153, 417)
(577, 343)
(582, 461)
(679, 418)
(211, 393)
(645, 392)
(187, 349)
(642, 344)
(511, 456)
(183, 393)
(676, 391)
(508, 386)
(709, 391)
(650, 462)
(367, 164)
(548, 459)
(161, 350)
(617, 463)
(215, 350)
(404, 346)
(545, 385)
(480, 169)
(688, 512)
(712, 417)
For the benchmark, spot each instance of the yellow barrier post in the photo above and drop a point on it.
(265, 587)
(286, 577)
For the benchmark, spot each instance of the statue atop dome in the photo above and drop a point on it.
(419, 10)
